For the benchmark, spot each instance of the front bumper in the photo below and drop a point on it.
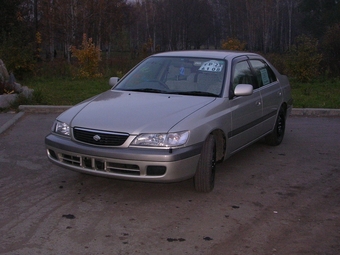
(137, 164)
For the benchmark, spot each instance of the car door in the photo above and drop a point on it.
(246, 110)
(270, 90)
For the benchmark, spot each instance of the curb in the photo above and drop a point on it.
(43, 108)
(32, 109)
(9, 123)
(315, 112)
(296, 112)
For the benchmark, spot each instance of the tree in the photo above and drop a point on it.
(15, 40)
(331, 48)
(121, 25)
(9, 14)
(319, 15)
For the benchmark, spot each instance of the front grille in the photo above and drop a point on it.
(70, 159)
(97, 164)
(98, 137)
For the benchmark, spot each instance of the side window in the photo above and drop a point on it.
(242, 74)
(264, 74)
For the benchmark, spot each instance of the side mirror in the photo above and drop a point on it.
(243, 90)
(113, 81)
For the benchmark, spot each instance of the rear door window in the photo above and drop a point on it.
(264, 74)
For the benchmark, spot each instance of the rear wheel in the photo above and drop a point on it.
(276, 137)
(204, 178)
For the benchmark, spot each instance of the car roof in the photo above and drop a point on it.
(216, 54)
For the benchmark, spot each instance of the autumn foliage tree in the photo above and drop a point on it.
(233, 44)
(88, 57)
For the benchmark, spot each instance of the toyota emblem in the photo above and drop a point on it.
(96, 138)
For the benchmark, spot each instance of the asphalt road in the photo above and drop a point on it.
(267, 200)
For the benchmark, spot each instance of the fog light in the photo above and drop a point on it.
(155, 170)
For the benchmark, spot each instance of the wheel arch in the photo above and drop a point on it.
(284, 106)
(221, 144)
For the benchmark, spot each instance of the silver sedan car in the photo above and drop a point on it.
(173, 117)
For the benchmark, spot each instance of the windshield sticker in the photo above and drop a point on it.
(211, 66)
(265, 77)
(182, 71)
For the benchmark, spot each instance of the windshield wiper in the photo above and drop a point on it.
(194, 93)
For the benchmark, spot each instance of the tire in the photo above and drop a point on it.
(204, 179)
(275, 138)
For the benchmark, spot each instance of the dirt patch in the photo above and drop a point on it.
(267, 200)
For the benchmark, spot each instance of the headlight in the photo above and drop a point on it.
(161, 140)
(61, 128)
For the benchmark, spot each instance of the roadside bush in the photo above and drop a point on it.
(56, 68)
(233, 44)
(279, 61)
(304, 60)
(88, 58)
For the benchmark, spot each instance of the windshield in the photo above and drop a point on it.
(175, 75)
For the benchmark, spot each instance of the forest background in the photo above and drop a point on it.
(101, 38)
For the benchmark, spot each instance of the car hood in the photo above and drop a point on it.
(133, 112)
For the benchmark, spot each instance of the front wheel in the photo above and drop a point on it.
(276, 137)
(204, 178)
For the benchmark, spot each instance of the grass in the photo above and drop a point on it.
(68, 91)
(316, 94)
